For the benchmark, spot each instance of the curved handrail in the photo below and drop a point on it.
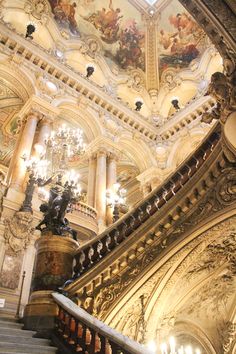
(91, 253)
(81, 332)
(86, 209)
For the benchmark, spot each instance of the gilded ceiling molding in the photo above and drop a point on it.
(151, 53)
(17, 79)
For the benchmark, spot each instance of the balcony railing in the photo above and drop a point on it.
(86, 210)
(81, 332)
(100, 247)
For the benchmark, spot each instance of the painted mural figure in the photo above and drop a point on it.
(131, 41)
(107, 22)
(64, 13)
(180, 47)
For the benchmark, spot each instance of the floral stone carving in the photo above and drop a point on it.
(18, 231)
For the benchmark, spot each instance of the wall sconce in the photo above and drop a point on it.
(90, 70)
(175, 104)
(30, 29)
(138, 104)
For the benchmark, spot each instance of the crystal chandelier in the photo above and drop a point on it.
(171, 348)
(62, 146)
(52, 167)
(116, 199)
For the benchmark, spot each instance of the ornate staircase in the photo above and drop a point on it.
(13, 339)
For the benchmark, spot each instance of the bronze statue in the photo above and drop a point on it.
(59, 203)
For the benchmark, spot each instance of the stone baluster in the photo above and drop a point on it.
(23, 147)
(100, 189)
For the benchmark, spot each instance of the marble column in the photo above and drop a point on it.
(91, 181)
(53, 267)
(45, 128)
(23, 147)
(100, 189)
(111, 180)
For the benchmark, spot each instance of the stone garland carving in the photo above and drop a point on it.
(223, 194)
(107, 294)
(229, 337)
(18, 231)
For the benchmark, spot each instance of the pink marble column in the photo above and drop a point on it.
(100, 189)
(45, 128)
(111, 180)
(91, 181)
(23, 147)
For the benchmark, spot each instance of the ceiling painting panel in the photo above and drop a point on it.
(118, 27)
(180, 39)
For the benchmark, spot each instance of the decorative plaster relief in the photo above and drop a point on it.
(18, 231)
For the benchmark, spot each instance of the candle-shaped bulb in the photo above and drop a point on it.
(172, 345)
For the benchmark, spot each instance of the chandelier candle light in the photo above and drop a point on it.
(61, 146)
(171, 348)
(116, 200)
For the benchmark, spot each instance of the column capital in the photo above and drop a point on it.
(46, 119)
(38, 106)
(114, 156)
(101, 152)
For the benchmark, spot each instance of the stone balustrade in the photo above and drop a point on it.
(86, 210)
(81, 332)
(190, 114)
(100, 247)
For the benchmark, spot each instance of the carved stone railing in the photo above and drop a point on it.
(86, 210)
(100, 247)
(190, 114)
(81, 332)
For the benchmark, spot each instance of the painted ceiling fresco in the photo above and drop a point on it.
(121, 31)
(119, 28)
(181, 40)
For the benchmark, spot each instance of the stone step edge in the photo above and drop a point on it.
(7, 338)
(26, 346)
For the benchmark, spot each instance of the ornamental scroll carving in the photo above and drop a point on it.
(218, 197)
(222, 89)
(18, 231)
(38, 9)
(230, 337)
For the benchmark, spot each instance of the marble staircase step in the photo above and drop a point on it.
(26, 348)
(14, 339)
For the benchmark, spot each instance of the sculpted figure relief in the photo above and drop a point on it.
(18, 230)
(222, 88)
